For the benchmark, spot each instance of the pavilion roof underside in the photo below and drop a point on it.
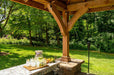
(71, 5)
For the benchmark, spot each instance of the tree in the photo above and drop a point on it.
(4, 16)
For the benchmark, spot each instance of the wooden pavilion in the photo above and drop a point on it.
(65, 8)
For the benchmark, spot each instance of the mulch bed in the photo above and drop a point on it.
(3, 53)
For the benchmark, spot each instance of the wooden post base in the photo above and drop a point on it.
(65, 59)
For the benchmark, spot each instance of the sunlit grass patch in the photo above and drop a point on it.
(100, 63)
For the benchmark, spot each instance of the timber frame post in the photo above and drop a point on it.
(66, 56)
(65, 25)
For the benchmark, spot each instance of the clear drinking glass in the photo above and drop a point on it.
(27, 62)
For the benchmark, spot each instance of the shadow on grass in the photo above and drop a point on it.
(12, 59)
(51, 50)
(15, 59)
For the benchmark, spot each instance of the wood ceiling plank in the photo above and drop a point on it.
(101, 9)
(31, 3)
(58, 3)
(90, 4)
(97, 9)
(41, 1)
(78, 1)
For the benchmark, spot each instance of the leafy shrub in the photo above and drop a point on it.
(104, 42)
(38, 43)
(23, 41)
(80, 45)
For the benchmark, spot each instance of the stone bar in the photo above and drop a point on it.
(20, 70)
(57, 68)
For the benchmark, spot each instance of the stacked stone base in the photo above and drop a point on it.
(70, 68)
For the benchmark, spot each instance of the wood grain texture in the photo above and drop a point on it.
(101, 9)
(66, 56)
(76, 16)
(90, 4)
(30, 68)
(32, 4)
(57, 17)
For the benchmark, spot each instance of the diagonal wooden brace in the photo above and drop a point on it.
(63, 25)
(52, 9)
(76, 16)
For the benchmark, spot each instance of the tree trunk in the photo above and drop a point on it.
(40, 35)
(47, 39)
(1, 34)
(9, 13)
(2, 28)
(29, 26)
(57, 37)
(58, 41)
(30, 37)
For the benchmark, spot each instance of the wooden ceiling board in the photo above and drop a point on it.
(78, 1)
(41, 1)
(69, 5)
(32, 4)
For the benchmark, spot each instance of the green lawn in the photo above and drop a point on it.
(100, 64)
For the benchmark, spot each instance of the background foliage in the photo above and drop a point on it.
(30, 26)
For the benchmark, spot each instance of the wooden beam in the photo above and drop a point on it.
(61, 4)
(68, 1)
(26, 0)
(58, 3)
(31, 3)
(90, 4)
(76, 16)
(41, 1)
(96, 9)
(65, 15)
(52, 9)
(101, 9)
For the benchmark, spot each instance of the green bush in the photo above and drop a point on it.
(104, 42)
(23, 41)
(80, 45)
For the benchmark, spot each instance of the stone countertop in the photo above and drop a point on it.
(20, 70)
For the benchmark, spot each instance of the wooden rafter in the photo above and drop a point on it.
(41, 1)
(90, 4)
(76, 16)
(101, 9)
(31, 3)
(52, 9)
(58, 3)
(68, 1)
(96, 9)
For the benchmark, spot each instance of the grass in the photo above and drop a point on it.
(100, 64)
